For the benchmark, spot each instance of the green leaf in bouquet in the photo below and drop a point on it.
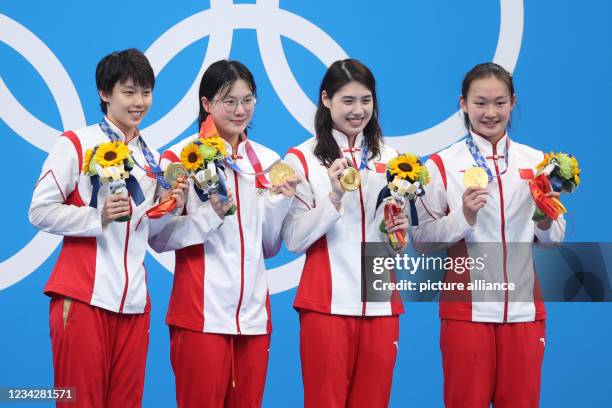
(92, 167)
(207, 152)
(565, 167)
(232, 210)
(538, 215)
(382, 227)
(128, 163)
(423, 175)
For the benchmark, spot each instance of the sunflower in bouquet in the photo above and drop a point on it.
(204, 160)
(406, 176)
(109, 163)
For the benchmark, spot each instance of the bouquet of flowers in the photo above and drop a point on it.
(557, 172)
(406, 176)
(109, 163)
(204, 160)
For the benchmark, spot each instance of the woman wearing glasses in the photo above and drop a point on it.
(219, 311)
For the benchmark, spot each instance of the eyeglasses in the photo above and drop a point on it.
(231, 104)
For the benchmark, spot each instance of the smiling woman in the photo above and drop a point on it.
(230, 238)
(478, 333)
(101, 257)
(125, 91)
(330, 222)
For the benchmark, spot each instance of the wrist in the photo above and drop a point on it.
(469, 218)
(335, 199)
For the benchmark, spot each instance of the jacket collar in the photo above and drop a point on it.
(116, 129)
(487, 148)
(342, 141)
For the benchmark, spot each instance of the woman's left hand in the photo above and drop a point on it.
(286, 188)
(547, 222)
(400, 223)
(179, 193)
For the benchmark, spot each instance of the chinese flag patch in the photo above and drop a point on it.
(149, 172)
(381, 167)
(526, 174)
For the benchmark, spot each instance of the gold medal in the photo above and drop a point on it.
(350, 179)
(175, 172)
(475, 177)
(280, 172)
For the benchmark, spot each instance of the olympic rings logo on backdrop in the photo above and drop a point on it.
(219, 22)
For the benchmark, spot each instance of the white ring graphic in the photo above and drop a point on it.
(271, 23)
(30, 257)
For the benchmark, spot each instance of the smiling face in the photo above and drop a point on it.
(488, 105)
(127, 105)
(350, 108)
(232, 110)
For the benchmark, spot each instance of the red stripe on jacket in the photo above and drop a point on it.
(301, 158)
(315, 288)
(186, 308)
(75, 269)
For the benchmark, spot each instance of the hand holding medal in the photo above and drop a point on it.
(174, 173)
(475, 180)
(283, 178)
(350, 179)
(335, 173)
(175, 176)
(475, 177)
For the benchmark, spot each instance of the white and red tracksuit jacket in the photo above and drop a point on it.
(220, 283)
(505, 220)
(100, 266)
(331, 278)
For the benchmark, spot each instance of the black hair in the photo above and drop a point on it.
(120, 66)
(338, 75)
(219, 78)
(480, 71)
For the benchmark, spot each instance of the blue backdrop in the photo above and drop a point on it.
(559, 50)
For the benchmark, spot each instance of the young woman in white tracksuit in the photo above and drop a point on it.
(219, 312)
(492, 348)
(347, 347)
(99, 311)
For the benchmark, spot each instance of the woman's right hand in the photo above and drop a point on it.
(221, 208)
(474, 198)
(334, 172)
(115, 207)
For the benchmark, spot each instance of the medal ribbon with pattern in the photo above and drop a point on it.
(364, 155)
(155, 169)
(480, 160)
(208, 129)
(254, 160)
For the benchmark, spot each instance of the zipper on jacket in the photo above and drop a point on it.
(363, 308)
(503, 231)
(125, 258)
(241, 253)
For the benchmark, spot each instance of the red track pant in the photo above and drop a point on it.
(101, 354)
(218, 370)
(347, 361)
(492, 362)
